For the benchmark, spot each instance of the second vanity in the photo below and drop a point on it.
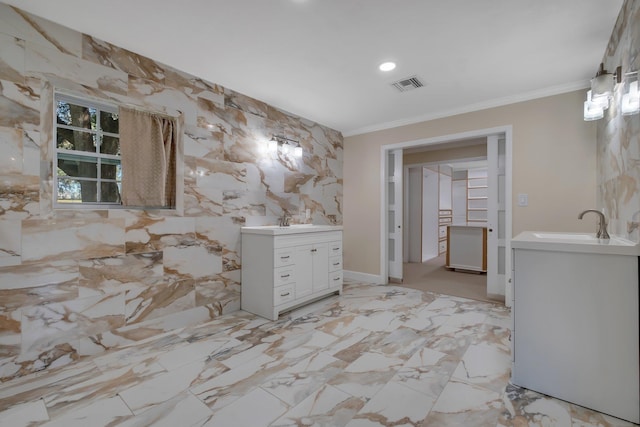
(575, 330)
(285, 267)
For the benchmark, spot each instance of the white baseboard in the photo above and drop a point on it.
(364, 277)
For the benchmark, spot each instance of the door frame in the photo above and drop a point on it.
(444, 139)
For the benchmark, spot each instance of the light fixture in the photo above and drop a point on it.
(631, 100)
(601, 93)
(387, 66)
(602, 84)
(593, 111)
(285, 144)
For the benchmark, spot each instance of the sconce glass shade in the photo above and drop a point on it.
(631, 100)
(602, 86)
(602, 102)
(285, 148)
(297, 151)
(594, 110)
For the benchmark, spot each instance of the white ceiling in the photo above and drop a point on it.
(318, 58)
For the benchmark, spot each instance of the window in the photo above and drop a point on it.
(87, 152)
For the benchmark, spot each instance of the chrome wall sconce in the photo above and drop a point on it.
(601, 93)
(285, 145)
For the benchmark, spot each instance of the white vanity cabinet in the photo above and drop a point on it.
(284, 267)
(575, 325)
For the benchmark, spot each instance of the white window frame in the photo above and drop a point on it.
(98, 106)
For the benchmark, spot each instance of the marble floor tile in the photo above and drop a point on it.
(326, 407)
(373, 356)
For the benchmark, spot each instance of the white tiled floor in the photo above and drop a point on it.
(375, 356)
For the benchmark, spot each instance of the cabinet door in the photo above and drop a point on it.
(303, 259)
(320, 255)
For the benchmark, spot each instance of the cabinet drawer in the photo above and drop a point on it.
(335, 248)
(283, 275)
(284, 257)
(442, 231)
(283, 294)
(442, 246)
(335, 263)
(335, 279)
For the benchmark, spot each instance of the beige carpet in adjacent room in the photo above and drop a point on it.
(432, 276)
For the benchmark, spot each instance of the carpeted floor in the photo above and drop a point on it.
(434, 277)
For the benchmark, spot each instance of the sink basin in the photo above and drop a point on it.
(575, 242)
(565, 236)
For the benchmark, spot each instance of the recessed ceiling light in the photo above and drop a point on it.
(387, 66)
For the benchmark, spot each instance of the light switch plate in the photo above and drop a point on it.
(523, 200)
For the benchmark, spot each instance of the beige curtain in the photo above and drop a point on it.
(148, 147)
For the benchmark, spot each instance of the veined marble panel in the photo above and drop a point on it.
(39, 274)
(11, 141)
(200, 143)
(109, 55)
(12, 61)
(119, 274)
(154, 96)
(10, 332)
(194, 261)
(45, 61)
(19, 196)
(19, 104)
(55, 239)
(221, 232)
(45, 326)
(166, 296)
(10, 242)
(31, 28)
(147, 232)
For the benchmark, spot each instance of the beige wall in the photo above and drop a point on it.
(554, 162)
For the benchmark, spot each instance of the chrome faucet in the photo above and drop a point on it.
(284, 219)
(602, 223)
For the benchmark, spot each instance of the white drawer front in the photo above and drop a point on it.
(335, 279)
(335, 263)
(335, 248)
(283, 275)
(284, 257)
(443, 246)
(442, 231)
(283, 294)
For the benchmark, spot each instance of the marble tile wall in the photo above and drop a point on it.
(618, 136)
(78, 282)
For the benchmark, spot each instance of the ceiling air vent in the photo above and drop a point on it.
(407, 84)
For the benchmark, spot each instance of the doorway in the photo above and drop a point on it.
(438, 195)
(499, 213)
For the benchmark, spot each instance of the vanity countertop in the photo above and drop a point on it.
(469, 224)
(575, 242)
(276, 230)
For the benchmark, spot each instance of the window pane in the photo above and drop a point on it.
(68, 190)
(110, 192)
(109, 122)
(111, 169)
(63, 113)
(76, 190)
(110, 145)
(76, 140)
(78, 166)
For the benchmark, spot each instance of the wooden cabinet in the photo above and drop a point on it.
(280, 272)
(467, 247)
